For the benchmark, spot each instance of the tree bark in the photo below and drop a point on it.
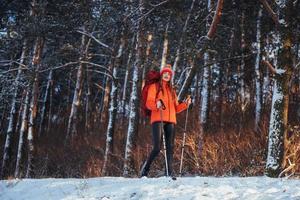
(50, 107)
(20, 113)
(88, 103)
(12, 114)
(105, 98)
(38, 49)
(134, 100)
(72, 131)
(123, 104)
(279, 112)
(23, 129)
(45, 101)
(258, 95)
(205, 92)
(113, 110)
(243, 99)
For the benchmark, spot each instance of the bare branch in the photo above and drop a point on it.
(270, 66)
(10, 62)
(270, 11)
(58, 67)
(100, 66)
(21, 67)
(104, 73)
(95, 39)
(156, 5)
(99, 86)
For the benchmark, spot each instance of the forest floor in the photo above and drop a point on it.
(186, 188)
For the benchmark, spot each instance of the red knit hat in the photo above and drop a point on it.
(167, 68)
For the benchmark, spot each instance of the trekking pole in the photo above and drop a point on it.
(164, 140)
(183, 142)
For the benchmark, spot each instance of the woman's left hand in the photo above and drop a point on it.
(188, 100)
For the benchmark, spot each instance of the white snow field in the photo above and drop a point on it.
(186, 188)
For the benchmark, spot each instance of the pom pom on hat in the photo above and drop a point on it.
(167, 68)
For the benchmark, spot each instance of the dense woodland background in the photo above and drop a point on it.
(71, 75)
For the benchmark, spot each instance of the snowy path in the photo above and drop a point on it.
(261, 188)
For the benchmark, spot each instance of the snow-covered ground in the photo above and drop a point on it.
(151, 188)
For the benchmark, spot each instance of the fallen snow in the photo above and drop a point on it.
(187, 188)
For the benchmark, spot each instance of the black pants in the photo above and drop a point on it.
(168, 129)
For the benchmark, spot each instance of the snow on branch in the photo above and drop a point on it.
(59, 67)
(21, 67)
(95, 39)
(156, 5)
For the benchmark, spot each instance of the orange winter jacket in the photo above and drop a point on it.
(171, 104)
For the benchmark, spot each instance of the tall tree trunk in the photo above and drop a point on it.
(50, 107)
(113, 109)
(214, 83)
(242, 91)
(242, 99)
(38, 49)
(3, 117)
(105, 98)
(205, 92)
(123, 104)
(20, 113)
(134, 100)
(88, 103)
(12, 114)
(71, 131)
(279, 112)
(221, 99)
(45, 101)
(272, 47)
(23, 129)
(258, 95)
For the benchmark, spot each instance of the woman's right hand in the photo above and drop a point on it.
(188, 100)
(158, 104)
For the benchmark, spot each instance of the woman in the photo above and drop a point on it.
(162, 101)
